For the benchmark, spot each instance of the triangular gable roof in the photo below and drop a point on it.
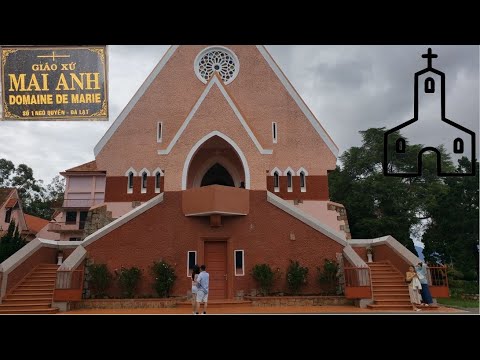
(89, 166)
(276, 69)
(35, 224)
(5, 195)
(215, 81)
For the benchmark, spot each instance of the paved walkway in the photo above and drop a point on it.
(265, 310)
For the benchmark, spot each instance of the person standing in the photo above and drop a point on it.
(202, 289)
(421, 269)
(414, 287)
(195, 273)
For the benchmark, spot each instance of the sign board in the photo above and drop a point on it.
(54, 83)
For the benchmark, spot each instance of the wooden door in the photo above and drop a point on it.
(216, 263)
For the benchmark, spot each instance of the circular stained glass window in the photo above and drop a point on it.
(216, 59)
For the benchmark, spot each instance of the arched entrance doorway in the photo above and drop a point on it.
(215, 160)
(217, 175)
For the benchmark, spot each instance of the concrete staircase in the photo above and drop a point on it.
(34, 294)
(390, 291)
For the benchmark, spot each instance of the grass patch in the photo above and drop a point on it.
(464, 303)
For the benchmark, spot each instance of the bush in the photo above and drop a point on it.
(128, 279)
(461, 287)
(327, 277)
(265, 277)
(99, 279)
(296, 276)
(164, 275)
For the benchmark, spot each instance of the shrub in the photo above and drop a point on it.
(164, 275)
(461, 287)
(99, 279)
(264, 276)
(296, 276)
(128, 279)
(327, 277)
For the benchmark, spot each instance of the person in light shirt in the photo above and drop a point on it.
(421, 269)
(202, 289)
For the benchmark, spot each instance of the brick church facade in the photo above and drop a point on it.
(216, 160)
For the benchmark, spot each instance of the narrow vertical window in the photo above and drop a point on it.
(159, 131)
(191, 262)
(289, 181)
(130, 182)
(274, 132)
(8, 215)
(303, 184)
(429, 85)
(276, 181)
(239, 262)
(144, 182)
(157, 182)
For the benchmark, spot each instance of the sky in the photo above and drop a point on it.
(348, 88)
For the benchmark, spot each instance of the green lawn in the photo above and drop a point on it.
(464, 303)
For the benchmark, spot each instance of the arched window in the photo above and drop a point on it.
(144, 182)
(458, 146)
(130, 182)
(400, 146)
(429, 85)
(289, 181)
(276, 181)
(303, 183)
(157, 181)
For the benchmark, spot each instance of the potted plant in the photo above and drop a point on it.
(370, 254)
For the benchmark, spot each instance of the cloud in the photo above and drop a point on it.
(348, 88)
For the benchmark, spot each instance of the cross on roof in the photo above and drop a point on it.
(430, 56)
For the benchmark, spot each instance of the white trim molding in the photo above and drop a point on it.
(131, 170)
(218, 83)
(287, 170)
(193, 150)
(74, 260)
(123, 115)
(306, 218)
(144, 170)
(304, 171)
(280, 172)
(391, 242)
(154, 172)
(301, 104)
(122, 220)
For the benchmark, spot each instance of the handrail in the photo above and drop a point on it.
(437, 276)
(358, 284)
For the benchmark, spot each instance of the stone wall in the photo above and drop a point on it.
(124, 303)
(96, 219)
(298, 300)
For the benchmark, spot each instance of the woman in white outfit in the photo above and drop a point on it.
(414, 287)
(195, 272)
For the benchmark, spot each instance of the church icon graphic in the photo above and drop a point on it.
(459, 140)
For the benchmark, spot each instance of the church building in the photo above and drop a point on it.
(215, 160)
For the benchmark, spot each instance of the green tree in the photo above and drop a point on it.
(378, 205)
(11, 242)
(37, 199)
(451, 236)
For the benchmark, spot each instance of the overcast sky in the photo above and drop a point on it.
(348, 88)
